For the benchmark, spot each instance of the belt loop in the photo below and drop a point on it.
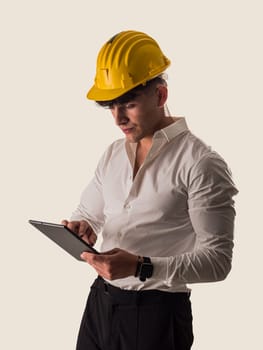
(106, 289)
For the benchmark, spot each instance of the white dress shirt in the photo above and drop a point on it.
(178, 209)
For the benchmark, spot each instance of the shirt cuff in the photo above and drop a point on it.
(160, 269)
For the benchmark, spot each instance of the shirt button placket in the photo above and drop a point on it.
(127, 206)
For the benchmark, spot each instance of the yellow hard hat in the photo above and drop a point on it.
(127, 60)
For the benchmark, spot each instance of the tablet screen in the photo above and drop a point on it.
(64, 237)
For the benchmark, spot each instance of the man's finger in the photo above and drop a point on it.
(74, 226)
(88, 257)
(92, 238)
(83, 226)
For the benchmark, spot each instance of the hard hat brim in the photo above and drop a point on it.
(97, 94)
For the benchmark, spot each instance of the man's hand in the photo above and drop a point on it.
(114, 264)
(82, 229)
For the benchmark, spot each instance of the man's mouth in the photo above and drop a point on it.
(127, 130)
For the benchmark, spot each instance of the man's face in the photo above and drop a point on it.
(140, 117)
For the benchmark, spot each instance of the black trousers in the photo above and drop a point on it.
(116, 319)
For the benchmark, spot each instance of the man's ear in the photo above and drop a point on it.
(162, 93)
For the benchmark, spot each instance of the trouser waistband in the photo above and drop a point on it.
(122, 296)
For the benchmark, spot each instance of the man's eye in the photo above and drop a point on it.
(130, 105)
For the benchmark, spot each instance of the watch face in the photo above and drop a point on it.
(146, 270)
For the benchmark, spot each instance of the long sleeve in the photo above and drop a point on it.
(212, 214)
(91, 203)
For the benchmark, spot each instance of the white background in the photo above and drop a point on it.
(52, 137)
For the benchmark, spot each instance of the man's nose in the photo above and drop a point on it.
(119, 115)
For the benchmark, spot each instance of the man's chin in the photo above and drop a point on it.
(132, 139)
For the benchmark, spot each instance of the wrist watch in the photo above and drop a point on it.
(144, 268)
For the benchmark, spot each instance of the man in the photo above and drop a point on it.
(163, 201)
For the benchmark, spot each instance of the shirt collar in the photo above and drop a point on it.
(160, 138)
(172, 130)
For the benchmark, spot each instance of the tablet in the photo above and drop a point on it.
(64, 237)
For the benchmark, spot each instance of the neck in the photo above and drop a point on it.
(146, 142)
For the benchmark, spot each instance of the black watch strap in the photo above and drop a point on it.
(144, 268)
(139, 262)
(147, 260)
